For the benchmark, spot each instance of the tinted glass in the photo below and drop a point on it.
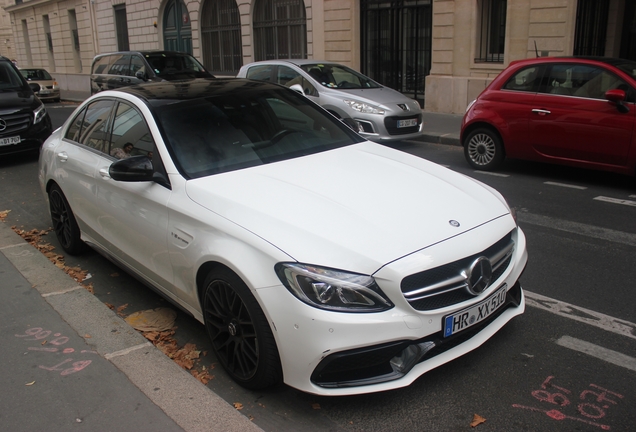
(137, 64)
(261, 72)
(524, 80)
(100, 66)
(247, 128)
(10, 79)
(582, 81)
(90, 126)
(288, 77)
(120, 65)
(35, 74)
(338, 76)
(131, 135)
(172, 66)
(75, 127)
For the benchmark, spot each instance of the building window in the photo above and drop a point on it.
(280, 29)
(591, 27)
(72, 22)
(49, 41)
(27, 42)
(491, 30)
(121, 27)
(221, 37)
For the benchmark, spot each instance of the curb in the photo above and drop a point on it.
(189, 403)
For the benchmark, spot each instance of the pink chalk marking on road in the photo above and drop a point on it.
(42, 349)
(558, 415)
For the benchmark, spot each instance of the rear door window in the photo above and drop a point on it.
(526, 79)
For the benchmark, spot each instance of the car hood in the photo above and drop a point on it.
(379, 96)
(354, 208)
(13, 100)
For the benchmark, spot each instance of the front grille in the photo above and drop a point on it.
(390, 123)
(447, 285)
(16, 123)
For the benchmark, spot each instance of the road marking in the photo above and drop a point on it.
(494, 174)
(616, 201)
(565, 185)
(125, 351)
(578, 228)
(608, 355)
(576, 313)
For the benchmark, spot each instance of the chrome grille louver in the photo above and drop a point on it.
(447, 284)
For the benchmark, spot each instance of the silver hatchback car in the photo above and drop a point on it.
(380, 113)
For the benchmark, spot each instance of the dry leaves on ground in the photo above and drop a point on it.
(477, 420)
(3, 215)
(34, 238)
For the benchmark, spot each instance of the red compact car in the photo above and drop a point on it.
(577, 111)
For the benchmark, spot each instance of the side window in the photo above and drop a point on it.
(582, 81)
(96, 127)
(137, 64)
(101, 65)
(288, 77)
(73, 132)
(131, 135)
(120, 65)
(261, 73)
(525, 80)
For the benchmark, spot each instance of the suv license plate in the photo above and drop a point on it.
(407, 123)
(469, 317)
(9, 141)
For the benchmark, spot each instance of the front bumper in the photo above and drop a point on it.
(329, 353)
(385, 128)
(30, 139)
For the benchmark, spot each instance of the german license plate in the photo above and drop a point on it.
(469, 317)
(9, 141)
(406, 123)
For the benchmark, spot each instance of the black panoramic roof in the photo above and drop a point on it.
(160, 93)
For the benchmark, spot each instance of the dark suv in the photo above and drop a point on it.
(24, 122)
(120, 69)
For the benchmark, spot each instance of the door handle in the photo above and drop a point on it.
(104, 173)
(62, 156)
(541, 112)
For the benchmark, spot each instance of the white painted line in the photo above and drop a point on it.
(494, 174)
(608, 355)
(616, 201)
(576, 313)
(565, 185)
(632, 196)
(126, 351)
(64, 291)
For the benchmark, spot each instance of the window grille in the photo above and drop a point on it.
(491, 39)
(280, 29)
(121, 27)
(591, 27)
(221, 37)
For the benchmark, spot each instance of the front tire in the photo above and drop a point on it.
(483, 149)
(240, 334)
(64, 223)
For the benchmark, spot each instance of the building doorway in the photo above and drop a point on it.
(177, 29)
(396, 43)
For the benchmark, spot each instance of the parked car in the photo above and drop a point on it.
(312, 256)
(120, 69)
(24, 122)
(49, 90)
(577, 111)
(380, 113)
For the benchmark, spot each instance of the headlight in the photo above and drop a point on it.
(38, 114)
(334, 290)
(363, 107)
(470, 105)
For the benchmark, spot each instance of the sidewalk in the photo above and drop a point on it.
(72, 363)
(438, 128)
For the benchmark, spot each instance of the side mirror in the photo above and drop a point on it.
(617, 96)
(132, 169)
(35, 87)
(141, 75)
(298, 88)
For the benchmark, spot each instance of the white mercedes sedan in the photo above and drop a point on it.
(312, 256)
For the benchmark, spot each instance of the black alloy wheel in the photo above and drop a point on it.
(64, 223)
(240, 334)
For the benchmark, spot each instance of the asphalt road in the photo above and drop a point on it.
(568, 363)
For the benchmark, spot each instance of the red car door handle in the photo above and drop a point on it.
(541, 112)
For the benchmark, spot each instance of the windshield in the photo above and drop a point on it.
(35, 75)
(338, 76)
(174, 66)
(9, 78)
(245, 128)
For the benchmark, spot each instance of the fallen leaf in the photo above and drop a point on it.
(43, 342)
(238, 405)
(477, 420)
(30, 384)
(87, 336)
(315, 406)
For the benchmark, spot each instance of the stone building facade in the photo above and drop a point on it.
(441, 52)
